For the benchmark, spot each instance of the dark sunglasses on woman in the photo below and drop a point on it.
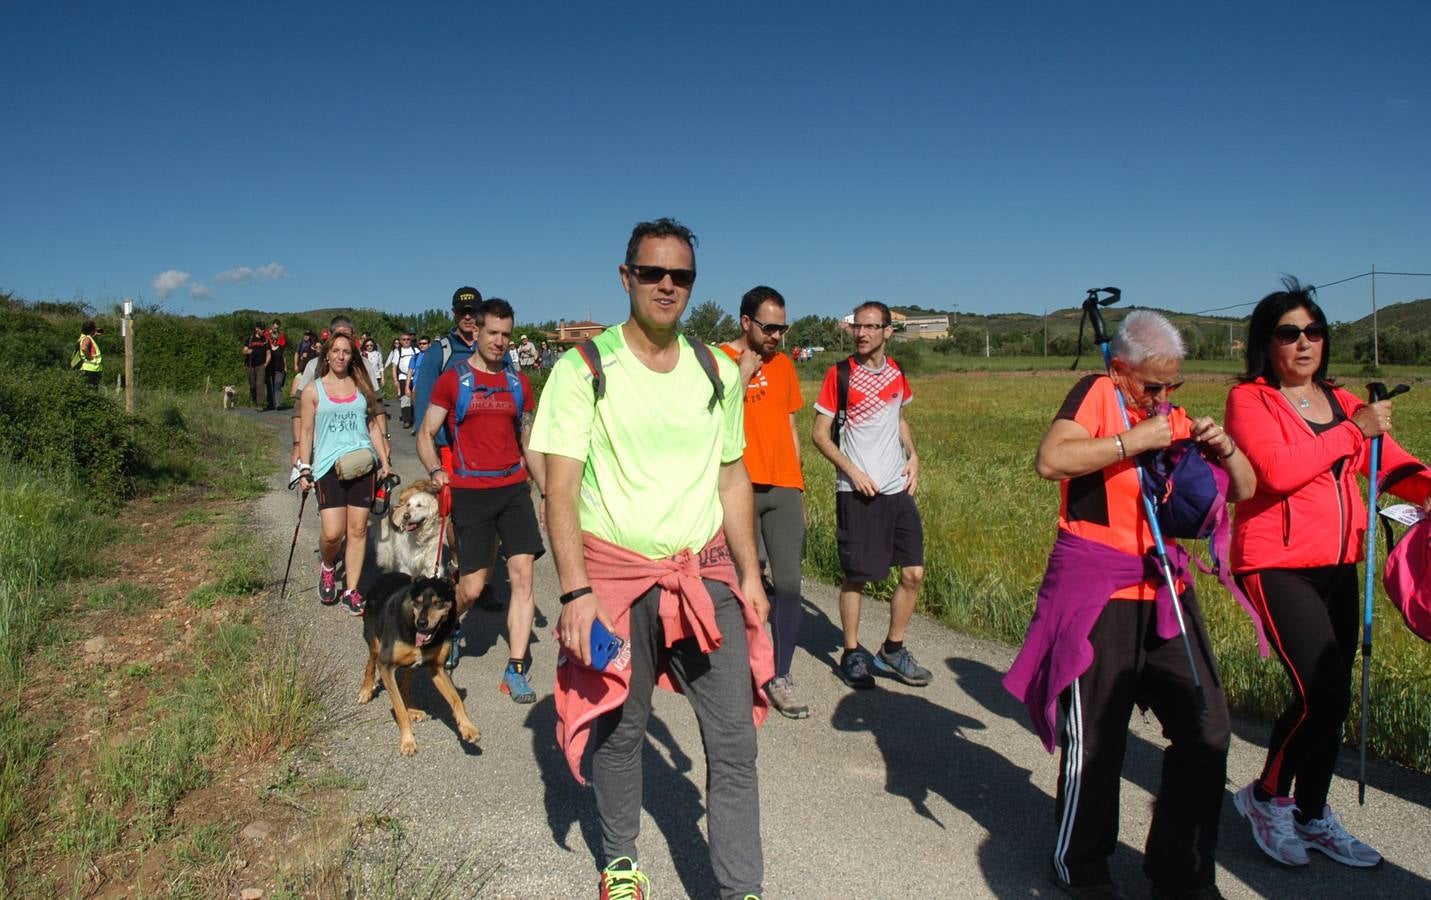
(1288, 334)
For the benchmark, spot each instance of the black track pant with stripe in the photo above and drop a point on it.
(1133, 666)
(1311, 618)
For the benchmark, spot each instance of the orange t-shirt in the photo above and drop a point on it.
(771, 396)
(1105, 506)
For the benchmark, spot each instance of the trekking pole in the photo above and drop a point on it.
(299, 524)
(1094, 315)
(1376, 392)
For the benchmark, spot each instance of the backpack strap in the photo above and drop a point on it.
(466, 387)
(842, 397)
(706, 358)
(591, 355)
(445, 342)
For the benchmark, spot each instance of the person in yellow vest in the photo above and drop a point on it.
(91, 360)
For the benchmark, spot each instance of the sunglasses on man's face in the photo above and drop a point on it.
(681, 278)
(422, 343)
(1288, 334)
(465, 312)
(770, 328)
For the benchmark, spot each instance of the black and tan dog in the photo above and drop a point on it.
(408, 625)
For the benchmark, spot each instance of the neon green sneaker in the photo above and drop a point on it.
(622, 880)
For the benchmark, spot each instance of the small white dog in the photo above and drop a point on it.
(406, 539)
(230, 395)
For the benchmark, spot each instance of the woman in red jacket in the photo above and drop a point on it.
(1295, 546)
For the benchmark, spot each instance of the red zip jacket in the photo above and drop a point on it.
(1302, 515)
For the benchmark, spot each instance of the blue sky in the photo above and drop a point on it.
(988, 157)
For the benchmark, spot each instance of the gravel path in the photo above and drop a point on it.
(896, 792)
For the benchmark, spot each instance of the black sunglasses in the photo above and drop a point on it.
(1288, 334)
(681, 278)
(770, 328)
(1153, 388)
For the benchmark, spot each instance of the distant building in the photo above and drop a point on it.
(576, 332)
(910, 328)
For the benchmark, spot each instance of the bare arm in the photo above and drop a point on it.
(563, 478)
(308, 410)
(826, 445)
(911, 465)
(536, 466)
(737, 504)
(432, 421)
(1067, 450)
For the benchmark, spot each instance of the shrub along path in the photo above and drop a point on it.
(895, 792)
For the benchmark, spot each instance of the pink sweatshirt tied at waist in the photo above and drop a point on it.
(620, 577)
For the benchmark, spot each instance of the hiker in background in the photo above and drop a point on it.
(486, 410)
(343, 454)
(446, 352)
(1295, 546)
(88, 358)
(650, 516)
(255, 359)
(548, 356)
(877, 523)
(399, 363)
(307, 348)
(373, 360)
(772, 459)
(1104, 636)
(277, 368)
(527, 353)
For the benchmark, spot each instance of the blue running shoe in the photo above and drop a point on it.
(515, 684)
(900, 665)
(855, 668)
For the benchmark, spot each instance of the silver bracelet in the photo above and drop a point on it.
(1122, 451)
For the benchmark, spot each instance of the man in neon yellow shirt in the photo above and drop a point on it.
(649, 478)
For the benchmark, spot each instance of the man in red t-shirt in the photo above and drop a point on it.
(487, 470)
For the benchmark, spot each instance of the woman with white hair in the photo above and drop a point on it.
(1104, 636)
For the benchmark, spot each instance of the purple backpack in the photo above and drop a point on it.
(1188, 490)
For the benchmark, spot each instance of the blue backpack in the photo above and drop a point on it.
(1188, 492)
(466, 387)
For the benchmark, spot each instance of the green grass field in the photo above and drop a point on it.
(989, 523)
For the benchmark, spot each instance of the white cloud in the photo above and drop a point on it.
(246, 274)
(200, 291)
(169, 281)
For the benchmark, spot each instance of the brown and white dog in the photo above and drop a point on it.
(406, 539)
(230, 396)
(407, 625)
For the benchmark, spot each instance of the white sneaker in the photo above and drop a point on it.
(1328, 835)
(1273, 827)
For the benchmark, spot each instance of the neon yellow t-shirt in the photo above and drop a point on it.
(653, 452)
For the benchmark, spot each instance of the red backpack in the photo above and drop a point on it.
(1405, 578)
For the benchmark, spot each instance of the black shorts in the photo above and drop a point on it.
(482, 516)
(333, 492)
(874, 533)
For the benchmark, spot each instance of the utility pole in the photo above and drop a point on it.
(1375, 333)
(1045, 331)
(1230, 353)
(986, 345)
(126, 327)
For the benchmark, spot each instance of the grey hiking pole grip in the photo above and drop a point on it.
(1100, 334)
(1376, 391)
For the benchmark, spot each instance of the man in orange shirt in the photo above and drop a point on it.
(772, 457)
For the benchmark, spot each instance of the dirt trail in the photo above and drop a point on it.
(895, 792)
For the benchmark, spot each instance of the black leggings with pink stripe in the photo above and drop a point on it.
(1311, 620)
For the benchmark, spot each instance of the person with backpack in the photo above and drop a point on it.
(400, 362)
(446, 352)
(860, 427)
(485, 407)
(651, 519)
(255, 357)
(1105, 635)
(277, 368)
(87, 357)
(772, 459)
(1295, 546)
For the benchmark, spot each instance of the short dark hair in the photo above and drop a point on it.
(425, 338)
(1270, 309)
(88, 327)
(755, 297)
(495, 307)
(660, 228)
(875, 304)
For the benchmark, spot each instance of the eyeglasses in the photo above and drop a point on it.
(867, 326)
(1153, 388)
(422, 343)
(463, 312)
(681, 278)
(1288, 334)
(770, 328)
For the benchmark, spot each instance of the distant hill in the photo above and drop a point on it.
(1065, 321)
(1413, 315)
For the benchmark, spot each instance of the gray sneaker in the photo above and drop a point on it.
(901, 666)
(781, 692)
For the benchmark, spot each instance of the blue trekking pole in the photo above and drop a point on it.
(1376, 392)
(1093, 314)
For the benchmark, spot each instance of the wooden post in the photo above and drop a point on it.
(1375, 333)
(127, 326)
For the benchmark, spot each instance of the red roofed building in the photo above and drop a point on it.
(576, 332)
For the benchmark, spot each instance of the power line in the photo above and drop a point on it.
(1318, 287)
